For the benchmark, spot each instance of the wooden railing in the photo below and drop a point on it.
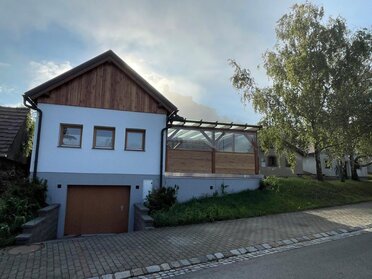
(191, 161)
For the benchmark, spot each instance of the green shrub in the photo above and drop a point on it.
(4, 230)
(33, 191)
(270, 183)
(161, 198)
(18, 205)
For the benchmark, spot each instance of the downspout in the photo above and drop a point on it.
(165, 129)
(31, 104)
(162, 155)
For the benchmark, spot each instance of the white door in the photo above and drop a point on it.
(147, 187)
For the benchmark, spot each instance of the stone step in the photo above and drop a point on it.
(23, 238)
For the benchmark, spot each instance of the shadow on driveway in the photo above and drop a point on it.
(97, 255)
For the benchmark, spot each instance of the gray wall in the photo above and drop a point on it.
(41, 228)
(193, 186)
(280, 169)
(59, 195)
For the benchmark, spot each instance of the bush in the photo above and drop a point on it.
(270, 183)
(161, 198)
(19, 204)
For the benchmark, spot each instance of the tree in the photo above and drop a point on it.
(298, 108)
(351, 102)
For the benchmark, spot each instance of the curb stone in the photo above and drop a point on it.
(171, 269)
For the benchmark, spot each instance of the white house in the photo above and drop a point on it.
(329, 167)
(105, 136)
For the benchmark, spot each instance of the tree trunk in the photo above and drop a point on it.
(341, 172)
(344, 169)
(353, 168)
(318, 164)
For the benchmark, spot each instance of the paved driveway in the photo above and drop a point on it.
(97, 255)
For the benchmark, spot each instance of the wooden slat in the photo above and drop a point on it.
(189, 161)
(103, 87)
(234, 163)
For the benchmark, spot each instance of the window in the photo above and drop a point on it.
(104, 138)
(271, 161)
(226, 143)
(70, 135)
(135, 139)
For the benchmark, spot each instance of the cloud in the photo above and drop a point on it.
(13, 105)
(6, 90)
(181, 47)
(177, 90)
(4, 65)
(46, 70)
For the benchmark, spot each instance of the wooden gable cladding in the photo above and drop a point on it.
(105, 86)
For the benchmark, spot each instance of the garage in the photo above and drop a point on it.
(97, 209)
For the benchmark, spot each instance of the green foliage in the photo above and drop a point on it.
(295, 194)
(4, 230)
(271, 183)
(18, 205)
(321, 85)
(223, 188)
(27, 144)
(161, 198)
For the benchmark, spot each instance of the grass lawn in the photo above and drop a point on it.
(291, 194)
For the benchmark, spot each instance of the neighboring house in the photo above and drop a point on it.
(13, 135)
(329, 167)
(272, 164)
(106, 137)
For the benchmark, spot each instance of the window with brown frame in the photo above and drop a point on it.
(135, 139)
(70, 135)
(104, 138)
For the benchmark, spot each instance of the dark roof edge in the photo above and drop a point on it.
(108, 56)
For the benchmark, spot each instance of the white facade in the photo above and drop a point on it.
(53, 158)
(63, 166)
(309, 166)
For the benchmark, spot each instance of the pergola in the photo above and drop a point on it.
(223, 141)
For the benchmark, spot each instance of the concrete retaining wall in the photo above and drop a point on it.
(196, 186)
(142, 221)
(41, 228)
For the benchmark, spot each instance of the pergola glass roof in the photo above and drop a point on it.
(203, 135)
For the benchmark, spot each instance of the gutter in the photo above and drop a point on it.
(28, 102)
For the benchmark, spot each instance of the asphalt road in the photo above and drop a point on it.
(345, 258)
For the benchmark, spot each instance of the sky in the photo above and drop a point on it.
(182, 48)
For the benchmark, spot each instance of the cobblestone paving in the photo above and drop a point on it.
(97, 255)
(168, 273)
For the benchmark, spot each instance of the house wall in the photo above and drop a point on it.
(62, 166)
(280, 169)
(88, 160)
(310, 167)
(196, 186)
(105, 86)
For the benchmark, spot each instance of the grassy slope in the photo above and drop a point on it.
(292, 194)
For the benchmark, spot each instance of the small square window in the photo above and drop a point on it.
(104, 138)
(271, 161)
(135, 139)
(70, 135)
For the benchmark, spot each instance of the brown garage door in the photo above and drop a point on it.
(97, 209)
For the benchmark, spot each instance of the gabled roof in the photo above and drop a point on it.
(11, 121)
(108, 56)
